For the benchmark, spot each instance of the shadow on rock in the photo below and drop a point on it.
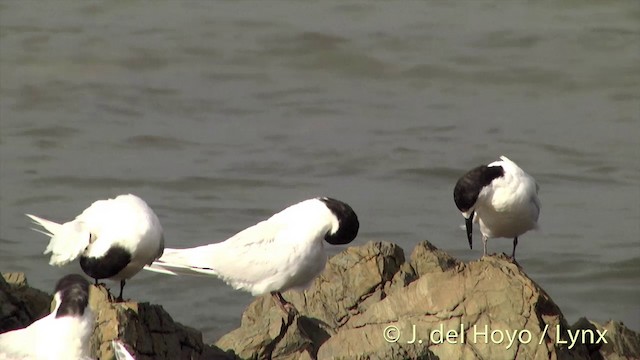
(370, 303)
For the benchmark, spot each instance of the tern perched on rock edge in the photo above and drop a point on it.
(501, 197)
(114, 239)
(63, 334)
(281, 253)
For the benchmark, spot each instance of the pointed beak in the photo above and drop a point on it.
(469, 223)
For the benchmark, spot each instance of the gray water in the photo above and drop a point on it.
(220, 114)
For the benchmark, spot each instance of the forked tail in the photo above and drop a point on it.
(182, 262)
(67, 242)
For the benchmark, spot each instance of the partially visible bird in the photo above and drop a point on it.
(63, 334)
(113, 238)
(501, 197)
(283, 252)
(121, 351)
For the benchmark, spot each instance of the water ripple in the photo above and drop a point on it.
(190, 183)
(54, 131)
(156, 142)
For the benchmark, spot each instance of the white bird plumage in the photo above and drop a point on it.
(501, 197)
(280, 253)
(113, 238)
(121, 351)
(63, 334)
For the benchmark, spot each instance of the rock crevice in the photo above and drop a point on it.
(369, 303)
(369, 290)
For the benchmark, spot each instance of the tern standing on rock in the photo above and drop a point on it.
(281, 253)
(114, 239)
(501, 197)
(64, 334)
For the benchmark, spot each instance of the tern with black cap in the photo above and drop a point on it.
(64, 334)
(113, 238)
(280, 253)
(501, 197)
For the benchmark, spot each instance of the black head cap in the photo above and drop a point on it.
(469, 186)
(347, 220)
(74, 295)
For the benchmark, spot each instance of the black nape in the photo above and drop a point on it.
(347, 219)
(74, 295)
(468, 187)
(106, 266)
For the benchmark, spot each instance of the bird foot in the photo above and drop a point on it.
(113, 299)
(288, 308)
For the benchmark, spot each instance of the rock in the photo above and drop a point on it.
(147, 330)
(328, 304)
(619, 341)
(367, 304)
(622, 342)
(369, 291)
(20, 305)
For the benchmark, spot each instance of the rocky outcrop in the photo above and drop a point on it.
(372, 304)
(20, 304)
(147, 330)
(621, 343)
(369, 303)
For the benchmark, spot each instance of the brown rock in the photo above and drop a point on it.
(622, 342)
(370, 290)
(364, 293)
(331, 301)
(20, 305)
(612, 341)
(147, 329)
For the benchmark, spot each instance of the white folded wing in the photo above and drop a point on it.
(123, 219)
(258, 259)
